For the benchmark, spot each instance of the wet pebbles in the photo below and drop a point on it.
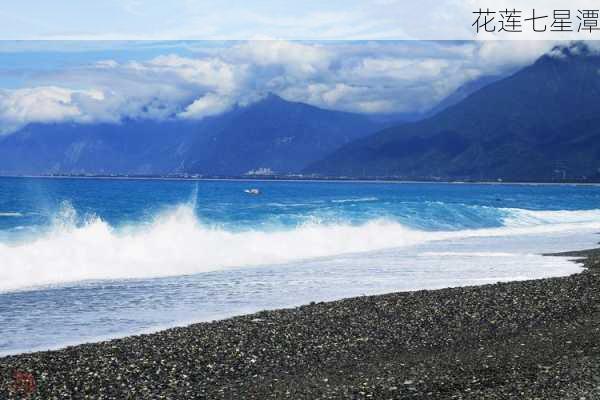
(523, 340)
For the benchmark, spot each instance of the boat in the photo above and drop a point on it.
(253, 191)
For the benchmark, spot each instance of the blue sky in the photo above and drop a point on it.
(26, 59)
(256, 19)
(149, 19)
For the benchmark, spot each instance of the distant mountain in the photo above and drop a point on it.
(459, 94)
(464, 91)
(541, 123)
(271, 134)
(131, 147)
(276, 135)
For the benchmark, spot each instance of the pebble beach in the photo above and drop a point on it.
(535, 339)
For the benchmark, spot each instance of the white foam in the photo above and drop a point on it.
(357, 200)
(471, 254)
(10, 214)
(520, 217)
(177, 243)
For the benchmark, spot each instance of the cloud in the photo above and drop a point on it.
(43, 104)
(296, 58)
(207, 105)
(212, 73)
(208, 79)
(496, 52)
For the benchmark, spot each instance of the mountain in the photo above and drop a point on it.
(130, 147)
(273, 134)
(459, 94)
(541, 123)
(277, 135)
(464, 91)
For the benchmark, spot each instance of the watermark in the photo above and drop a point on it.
(23, 384)
(514, 20)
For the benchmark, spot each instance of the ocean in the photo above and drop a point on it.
(90, 259)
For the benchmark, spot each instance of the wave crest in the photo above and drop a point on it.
(177, 243)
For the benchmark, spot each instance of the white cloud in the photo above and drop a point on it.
(207, 105)
(332, 96)
(368, 77)
(296, 58)
(42, 104)
(406, 69)
(107, 64)
(210, 73)
(496, 53)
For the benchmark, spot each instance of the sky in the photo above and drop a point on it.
(259, 19)
(211, 19)
(108, 81)
(87, 62)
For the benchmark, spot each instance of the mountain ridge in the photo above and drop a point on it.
(537, 124)
(234, 143)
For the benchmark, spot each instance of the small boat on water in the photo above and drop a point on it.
(253, 191)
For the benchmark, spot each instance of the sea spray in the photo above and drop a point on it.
(177, 242)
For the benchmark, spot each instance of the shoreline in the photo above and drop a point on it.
(300, 180)
(524, 339)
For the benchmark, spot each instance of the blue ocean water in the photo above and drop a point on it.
(85, 259)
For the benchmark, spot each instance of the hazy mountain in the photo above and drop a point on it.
(133, 147)
(464, 91)
(542, 122)
(461, 93)
(278, 135)
(271, 134)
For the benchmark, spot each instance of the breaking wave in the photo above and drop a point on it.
(176, 242)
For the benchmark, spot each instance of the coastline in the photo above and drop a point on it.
(277, 178)
(526, 339)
